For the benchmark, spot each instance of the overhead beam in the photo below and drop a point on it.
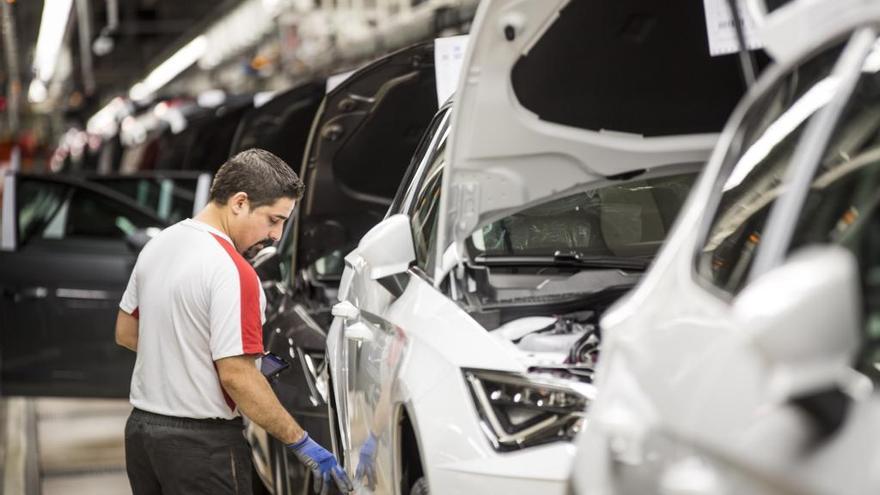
(84, 23)
(10, 45)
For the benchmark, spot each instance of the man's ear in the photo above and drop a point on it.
(238, 202)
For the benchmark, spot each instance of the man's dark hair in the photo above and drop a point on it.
(262, 175)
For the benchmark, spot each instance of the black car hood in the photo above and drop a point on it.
(282, 124)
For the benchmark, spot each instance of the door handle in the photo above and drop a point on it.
(95, 295)
(345, 310)
(357, 331)
(352, 330)
(31, 293)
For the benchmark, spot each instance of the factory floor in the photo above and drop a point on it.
(54, 446)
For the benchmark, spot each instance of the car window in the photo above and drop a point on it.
(843, 207)
(92, 215)
(330, 266)
(427, 148)
(755, 165)
(285, 249)
(54, 211)
(425, 208)
(37, 203)
(171, 199)
(843, 203)
(620, 220)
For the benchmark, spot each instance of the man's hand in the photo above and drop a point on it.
(366, 469)
(323, 465)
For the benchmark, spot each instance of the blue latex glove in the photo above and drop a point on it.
(323, 465)
(366, 469)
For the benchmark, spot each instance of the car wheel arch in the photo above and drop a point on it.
(408, 452)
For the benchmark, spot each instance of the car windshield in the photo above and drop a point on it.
(618, 220)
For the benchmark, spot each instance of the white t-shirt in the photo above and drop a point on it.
(197, 300)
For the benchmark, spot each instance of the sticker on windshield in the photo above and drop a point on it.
(448, 58)
(721, 30)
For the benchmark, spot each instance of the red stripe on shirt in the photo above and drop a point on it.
(251, 324)
(136, 313)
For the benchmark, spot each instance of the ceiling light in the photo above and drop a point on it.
(53, 24)
(211, 98)
(103, 45)
(105, 121)
(37, 91)
(170, 68)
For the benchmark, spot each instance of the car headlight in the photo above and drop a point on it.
(518, 411)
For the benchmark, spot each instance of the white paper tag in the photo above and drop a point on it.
(263, 97)
(722, 33)
(337, 79)
(448, 58)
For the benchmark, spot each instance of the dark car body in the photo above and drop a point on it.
(66, 254)
(359, 146)
(281, 125)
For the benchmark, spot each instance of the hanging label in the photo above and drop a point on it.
(448, 58)
(722, 32)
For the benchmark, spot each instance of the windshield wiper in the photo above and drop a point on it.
(579, 259)
(566, 258)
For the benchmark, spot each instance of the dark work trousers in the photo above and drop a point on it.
(170, 456)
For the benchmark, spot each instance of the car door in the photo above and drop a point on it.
(360, 145)
(293, 325)
(65, 263)
(722, 384)
(361, 141)
(375, 348)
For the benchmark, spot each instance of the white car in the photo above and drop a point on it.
(745, 359)
(462, 353)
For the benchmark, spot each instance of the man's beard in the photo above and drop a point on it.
(252, 251)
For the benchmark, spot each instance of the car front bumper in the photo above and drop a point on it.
(543, 470)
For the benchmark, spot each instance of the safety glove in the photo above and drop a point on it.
(366, 469)
(323, 465)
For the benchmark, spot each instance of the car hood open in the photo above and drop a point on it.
(281, 125)
(557, 94)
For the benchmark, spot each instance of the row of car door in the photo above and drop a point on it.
(67, 248)
(66, 255)
(381, 110)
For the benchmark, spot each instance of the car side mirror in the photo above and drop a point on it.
(387, 249)
(140, 237)
(267, 264)
(804, 317)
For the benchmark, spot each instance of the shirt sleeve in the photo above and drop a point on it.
(129, 302)
(236, 313)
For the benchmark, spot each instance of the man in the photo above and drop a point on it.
(193, 312)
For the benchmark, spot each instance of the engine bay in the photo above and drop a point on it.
(550, 316)
(565, 346)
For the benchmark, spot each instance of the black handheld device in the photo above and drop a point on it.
(272, 364)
